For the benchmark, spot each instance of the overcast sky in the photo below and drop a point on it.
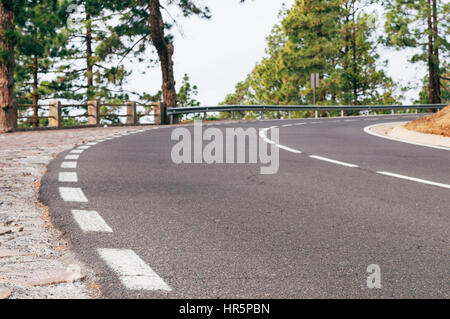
(220, 52)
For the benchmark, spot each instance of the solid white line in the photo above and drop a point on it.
(68, 177)
(418, 180)
(71, 194)
(83, 147)
(288, 149)
(72, 157)
(90, 221)
(69, 165)
(368, 130)
(77, 151)
(320, 158)
(134, 273)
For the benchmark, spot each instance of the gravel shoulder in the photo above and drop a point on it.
(35, 260)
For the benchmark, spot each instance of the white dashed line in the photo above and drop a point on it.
(83, 147)
(69, 165)
(90, 221)
(71, 194)
(320, 158)
(134, 273)
(68, 177)
(92, 143)
(413, 179)
(288, 149)
(72, 157)
(287, 125)
(77, 151)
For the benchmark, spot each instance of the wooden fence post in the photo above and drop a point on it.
(131, 113)
(94, 112)
(54, 119)
(160, 113)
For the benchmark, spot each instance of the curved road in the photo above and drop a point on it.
(163, 230)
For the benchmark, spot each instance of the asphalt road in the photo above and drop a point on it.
(226, 231)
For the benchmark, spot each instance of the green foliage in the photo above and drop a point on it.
(333, 38)
(423, 25)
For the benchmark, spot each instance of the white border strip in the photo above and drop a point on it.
(369, 131)
(71, 194)
(134, 273)
(69, 165)
(68, 177)
(90, 221)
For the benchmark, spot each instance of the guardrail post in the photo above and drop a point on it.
(94, 112)
(342, 113)
(54, 119)
(392, 112)
(161, 114)
(417, 111)
(316, 114)
(290, 115)
(131, 113)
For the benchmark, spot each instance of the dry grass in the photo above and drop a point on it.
(438, 123)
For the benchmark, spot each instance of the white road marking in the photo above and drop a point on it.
(413, 179)
(72, 157)
(287, 125)
(68, 177)
(71, 194)
(90, 221)
(368, 130)
(288, 149)
(77, 151)
(92, 143)
(69, 165)
(320, 158)
(351, 120)
(83, 147)
(134, 273)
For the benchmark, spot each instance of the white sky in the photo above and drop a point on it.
(220, 52)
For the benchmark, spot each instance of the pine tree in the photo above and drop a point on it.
(10, 11)
(421, 24)
(92, 69)
(39, 46)
(332, 38)
(143, 21)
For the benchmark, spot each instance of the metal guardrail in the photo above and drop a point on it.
(290, 108)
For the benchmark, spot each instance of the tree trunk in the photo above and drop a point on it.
(8, 115)
(89, 62)
(436, 81)
(433, 74)
(165, 53)
(35, 92)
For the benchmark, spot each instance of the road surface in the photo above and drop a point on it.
(153, 229)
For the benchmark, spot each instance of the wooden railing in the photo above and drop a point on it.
(93, 113)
